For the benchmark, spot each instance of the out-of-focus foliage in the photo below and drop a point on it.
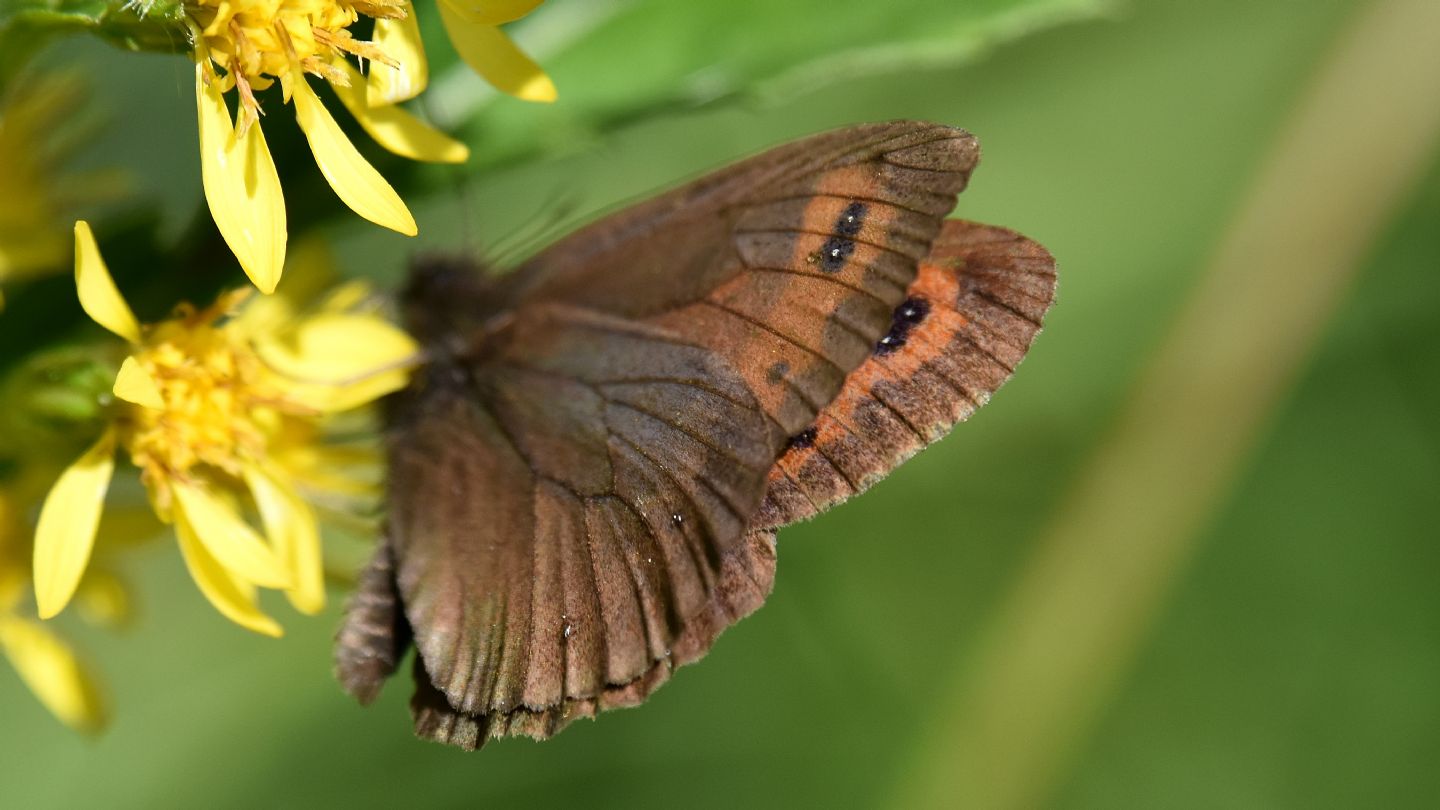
(28, 25)
(1293, 665)
(620, 61)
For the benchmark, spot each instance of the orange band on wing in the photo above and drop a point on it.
(968, 318)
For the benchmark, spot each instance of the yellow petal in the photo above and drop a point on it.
(400, 40)
(490, 53)
(340, 361)
(393, 127)
(234, 598)
(311, 269)
(225, 535)
(308, 595)
(54, 673)
(333, 472)
(360, 391)
(134, 384)
(69, 517)
(337, 346)
(350, 175)
(98, 295)
(291, 525)
(492, 12)
(348, 296)
(242, 188)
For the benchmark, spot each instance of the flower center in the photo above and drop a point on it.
(259, 41)
(221, 403)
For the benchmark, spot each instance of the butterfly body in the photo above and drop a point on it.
(586, 480)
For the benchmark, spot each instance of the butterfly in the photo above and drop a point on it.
(586, 478)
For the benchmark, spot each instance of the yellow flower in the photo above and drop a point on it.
(224, 411)
(45, 662)
(474, 30)
(248, 45)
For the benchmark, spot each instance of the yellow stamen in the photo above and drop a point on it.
(259, 41)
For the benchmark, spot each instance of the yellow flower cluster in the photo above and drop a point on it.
(248, 45)
(248, 420)
(220, 409)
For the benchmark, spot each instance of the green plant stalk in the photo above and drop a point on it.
(1062, 640)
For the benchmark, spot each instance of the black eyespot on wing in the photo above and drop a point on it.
(908, 315)
(838, 248)
(851, 219)
(912, 312)
(803, 439)
(834, 253)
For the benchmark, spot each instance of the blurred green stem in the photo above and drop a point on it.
(1009, 730)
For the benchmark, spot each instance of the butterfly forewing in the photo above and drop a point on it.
(788, 265)
(583, 486)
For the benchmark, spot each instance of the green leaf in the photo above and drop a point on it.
(616, 61)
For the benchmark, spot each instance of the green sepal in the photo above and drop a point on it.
(54, 396)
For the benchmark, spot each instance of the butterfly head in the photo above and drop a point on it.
(447, 298)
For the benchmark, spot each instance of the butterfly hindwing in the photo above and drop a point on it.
(567, 508)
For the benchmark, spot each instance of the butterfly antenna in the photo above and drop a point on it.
(411, 361)
(470, 237)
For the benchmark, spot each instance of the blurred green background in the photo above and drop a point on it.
(1291, 660)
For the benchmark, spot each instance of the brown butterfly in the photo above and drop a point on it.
(586, 480)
